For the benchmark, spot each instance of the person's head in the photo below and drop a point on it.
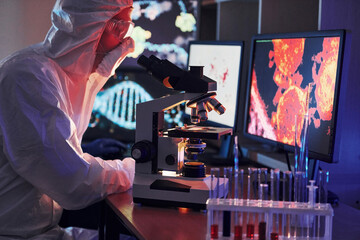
(113, 34)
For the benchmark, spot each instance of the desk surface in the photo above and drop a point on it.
(171, 223)
(158, 223)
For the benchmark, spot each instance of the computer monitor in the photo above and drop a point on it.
(163, 28)
(222, 62)
(281, 68)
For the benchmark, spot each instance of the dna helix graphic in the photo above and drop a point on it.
(118, 102)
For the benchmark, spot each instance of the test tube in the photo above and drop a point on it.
(236, 153)
(287, 192)
(311, 203)
(214, 195)
(228, 195)
(253, 183)
(238, 216)
(275, 188)
(275, 185)
(227, 187)
(262, 221)
(287, 188)
(241, 184)
(238, 184)
(322, 195)
(323, 182)
(272, 186)
(250, 228)
(262, 178)
(248, 189)
(297, 202)
(238, 179)
(299, 183)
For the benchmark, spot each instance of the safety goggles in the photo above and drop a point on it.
(119, 28)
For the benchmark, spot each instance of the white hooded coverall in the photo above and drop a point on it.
(46, 96)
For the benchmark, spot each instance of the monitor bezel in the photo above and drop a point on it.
(223, 43)
(330, 157)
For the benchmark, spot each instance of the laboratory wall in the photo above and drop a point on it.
(345, 175)
(23, 23)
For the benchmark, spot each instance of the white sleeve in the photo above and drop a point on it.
(40, 142)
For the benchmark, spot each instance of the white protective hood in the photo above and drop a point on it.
(46, 97)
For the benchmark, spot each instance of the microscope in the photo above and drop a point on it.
(167, 170)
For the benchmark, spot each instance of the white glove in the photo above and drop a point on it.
(129, 166)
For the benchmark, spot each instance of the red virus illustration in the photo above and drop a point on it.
(326, 76)
(292, 97)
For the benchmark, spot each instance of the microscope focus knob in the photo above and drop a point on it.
(143, 151)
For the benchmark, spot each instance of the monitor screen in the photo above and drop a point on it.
(222, 63)
(163, 28)
(113, 114)
(281, 68)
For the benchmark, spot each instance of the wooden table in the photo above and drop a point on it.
(145, 222)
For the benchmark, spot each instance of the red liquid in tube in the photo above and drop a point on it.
(274, 236)
(238, 232)
(214, 231)
(250, 231)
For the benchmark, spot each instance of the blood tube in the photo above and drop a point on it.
(262, 221)
(214, 195)
(274, 236)
(228, 195)
(238, 223)
(238, 232)
(250, 230)
(275, 226)
(238, 179)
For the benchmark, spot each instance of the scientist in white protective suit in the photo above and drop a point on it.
(47, 93)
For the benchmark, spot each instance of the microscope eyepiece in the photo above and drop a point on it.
(144, 62)
(176, 78)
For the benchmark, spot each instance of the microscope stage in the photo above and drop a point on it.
(204, 132)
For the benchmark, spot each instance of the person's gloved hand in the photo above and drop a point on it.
(113, 59)
(129, 165)
(104, 147)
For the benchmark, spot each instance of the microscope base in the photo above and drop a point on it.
(157, 190)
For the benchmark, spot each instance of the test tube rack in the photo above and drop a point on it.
(295, 220)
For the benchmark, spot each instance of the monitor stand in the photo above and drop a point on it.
(219, 156)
